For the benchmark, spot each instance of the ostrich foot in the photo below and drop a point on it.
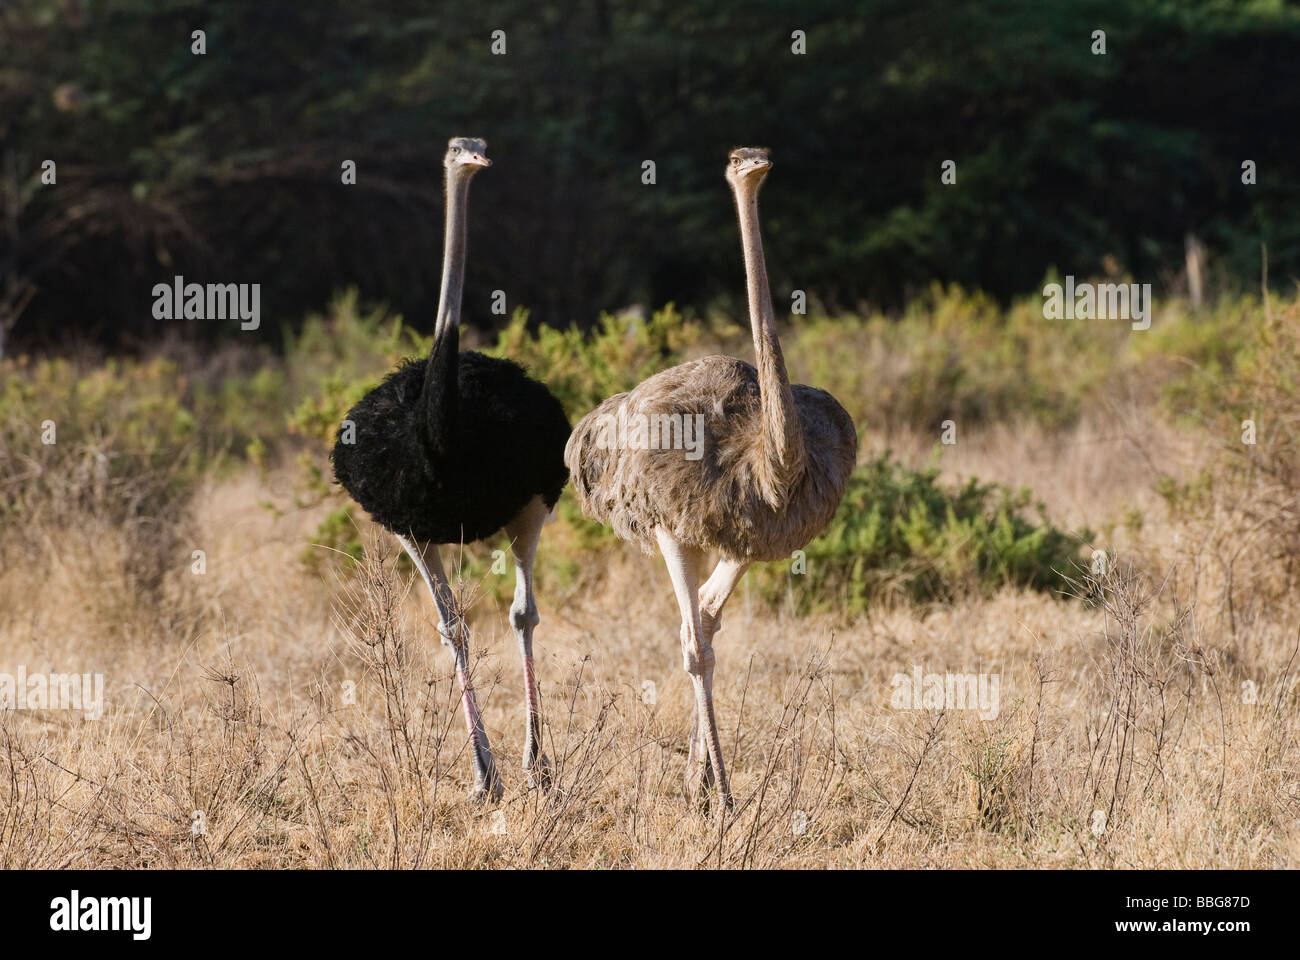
(481, 796)
(702, 787)
(539, 772)
(487, 787)
(700, 781)
(487, 782)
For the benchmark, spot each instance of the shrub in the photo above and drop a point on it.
(126, 449)
(582, 369)
(1195, 356)
(1245, 501)
(900, 535)
(956, 355)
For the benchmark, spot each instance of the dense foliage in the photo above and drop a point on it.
(900, 534)
(226, 166)
(135, 440)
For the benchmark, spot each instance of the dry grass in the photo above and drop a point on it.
(258, 716)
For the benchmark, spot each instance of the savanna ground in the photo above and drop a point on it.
(281, 700)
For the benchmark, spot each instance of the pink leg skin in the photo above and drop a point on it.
(451, 628)
(536, 764)
(487, 783)
(472, 722)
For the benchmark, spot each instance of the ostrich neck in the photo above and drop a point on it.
(441, 377)
(453, 255)
(782, 451)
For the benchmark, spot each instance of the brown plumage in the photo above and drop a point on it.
(720, 501)
(763, 477)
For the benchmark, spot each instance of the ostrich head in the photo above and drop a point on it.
(747, 166)
(465, 155)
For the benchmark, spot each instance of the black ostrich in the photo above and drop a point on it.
(452, 449)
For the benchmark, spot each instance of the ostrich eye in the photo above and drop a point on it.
(455, 149)
(735, 161)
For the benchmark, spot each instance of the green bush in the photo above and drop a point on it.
(1245, 396)
(119, 439)
(1197, 356)
(900, 535)
(118, 442)
(582, 369)
(956, 355)
(135, 436)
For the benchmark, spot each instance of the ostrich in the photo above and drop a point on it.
(767, 478)
(451, 449)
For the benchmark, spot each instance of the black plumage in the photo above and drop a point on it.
(451, 449)
(453, 466)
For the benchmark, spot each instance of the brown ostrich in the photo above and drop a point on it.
(766, 478)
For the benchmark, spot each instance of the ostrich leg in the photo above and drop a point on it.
(716, 591)
(524, 531)
(713, 596)
(684, 564)
(454, 633)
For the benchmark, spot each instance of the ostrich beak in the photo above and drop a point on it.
(479, 160)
